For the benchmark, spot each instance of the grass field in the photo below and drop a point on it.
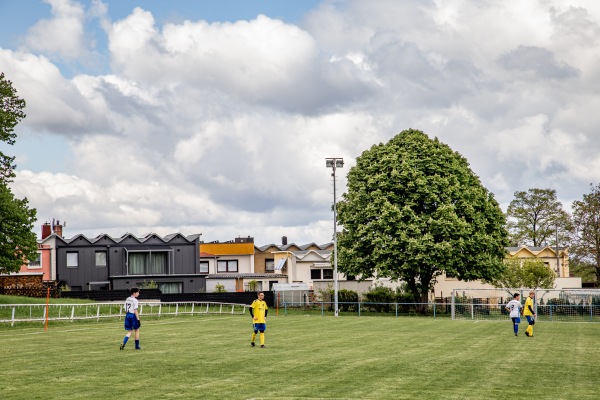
(307, 357)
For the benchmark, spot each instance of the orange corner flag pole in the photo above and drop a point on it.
(47, 309)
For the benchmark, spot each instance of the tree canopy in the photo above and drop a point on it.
(585, 246)
(413, 210)
(17, 241)
(11, 112)
(534, 217)
(528, 273)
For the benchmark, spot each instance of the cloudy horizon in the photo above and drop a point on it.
(144, 118)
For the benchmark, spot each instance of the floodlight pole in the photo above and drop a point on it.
(334, 163)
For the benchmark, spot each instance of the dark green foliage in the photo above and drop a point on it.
(585, 246)
(413, 210)
(17, 240)
(11, 112)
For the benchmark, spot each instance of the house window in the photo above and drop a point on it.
(325, 273)
(100, 259)
(269, 265)
(450, 275)
(171, 287)
(147, 263)
(72, 260)
(204, 267)
(227, 266)
(37, 263)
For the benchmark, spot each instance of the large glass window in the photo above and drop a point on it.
(315, 274)
(204, 267)
(269, 265)
(72, 260)
(227, 266)
(148, 263)
(158, 263)
(136, 263)
(100, 259)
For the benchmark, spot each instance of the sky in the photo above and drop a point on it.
(216, 117)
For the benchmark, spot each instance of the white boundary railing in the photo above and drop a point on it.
(12, 313)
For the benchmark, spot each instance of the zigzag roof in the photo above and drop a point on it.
(166, 239)
(534, 250)
(301, 247)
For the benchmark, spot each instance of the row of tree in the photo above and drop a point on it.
(414, 210)
(537, 218)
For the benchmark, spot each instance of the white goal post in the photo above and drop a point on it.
(549, 304)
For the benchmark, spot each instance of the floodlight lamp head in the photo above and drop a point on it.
(339, 163)
(328, 163)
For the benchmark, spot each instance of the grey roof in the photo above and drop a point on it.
(165, 239)
(245, 275)
(532, 248)
(282, 247)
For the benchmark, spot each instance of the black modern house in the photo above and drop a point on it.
(106, 263)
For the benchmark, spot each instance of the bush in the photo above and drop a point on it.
(380, 294)
(347, 299)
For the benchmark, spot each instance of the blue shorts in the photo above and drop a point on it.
(260, 327)
(530, 319)
(131, 322)
(516, 320)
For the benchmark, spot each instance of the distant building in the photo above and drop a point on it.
(107, 263)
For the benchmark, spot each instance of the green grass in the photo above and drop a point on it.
(307, 357)
(4, 299)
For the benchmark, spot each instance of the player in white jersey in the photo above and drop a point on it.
(515, 308)
(132, 319)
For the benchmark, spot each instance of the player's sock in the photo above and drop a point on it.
(125, 340)
(530, 330)
(516, 329)
(137, 344)
(262, 339)
(253, 337)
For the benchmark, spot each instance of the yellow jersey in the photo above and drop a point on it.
(259, 309)
(528, 303)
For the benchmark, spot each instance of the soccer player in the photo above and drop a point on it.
(514, 306)
(132, 319)
(529, 314)
(258, 312)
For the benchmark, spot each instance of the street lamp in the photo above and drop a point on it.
(334, 163)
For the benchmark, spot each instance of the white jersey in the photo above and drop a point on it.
(131, 304)
(514, 307)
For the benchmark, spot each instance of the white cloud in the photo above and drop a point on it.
(63, 34)
(223, 128)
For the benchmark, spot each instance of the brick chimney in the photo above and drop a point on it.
(57, 228)
(46, 230)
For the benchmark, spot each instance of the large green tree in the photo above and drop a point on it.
(535, 217)
(529, 273)
(11, 112)
(17, 241)
(585, 246)
(413, 210)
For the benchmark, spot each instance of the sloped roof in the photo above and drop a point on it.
(302, 247)
(166, 239)
(243, 275)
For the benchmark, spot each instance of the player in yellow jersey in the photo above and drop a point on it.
(530, 314)
(258, 312)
